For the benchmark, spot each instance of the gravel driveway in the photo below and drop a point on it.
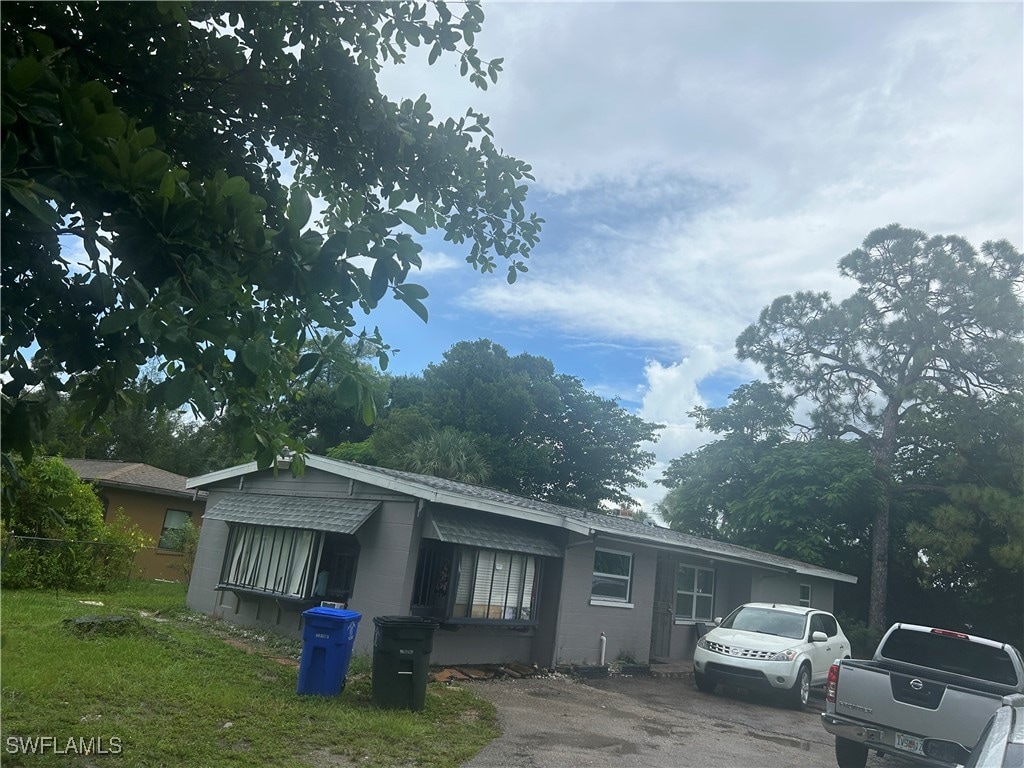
(649, 723)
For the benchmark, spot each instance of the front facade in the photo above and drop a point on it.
(507, 578)
(155, 500)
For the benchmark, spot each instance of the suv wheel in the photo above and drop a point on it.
(801, 690)
(704, 683)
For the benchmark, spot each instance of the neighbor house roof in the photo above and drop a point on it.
(134, 476)
(595, 524)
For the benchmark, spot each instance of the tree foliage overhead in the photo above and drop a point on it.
(160, 167)
(932, 316)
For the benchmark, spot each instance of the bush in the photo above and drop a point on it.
(863, 640)
(186, 539)
(107, 561)
(122, 539)
(48, 500)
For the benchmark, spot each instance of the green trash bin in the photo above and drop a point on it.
(401, 661)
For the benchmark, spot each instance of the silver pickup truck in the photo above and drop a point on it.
(921, 683)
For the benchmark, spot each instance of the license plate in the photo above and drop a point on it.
(909, 744)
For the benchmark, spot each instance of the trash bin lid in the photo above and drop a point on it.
(333, 613)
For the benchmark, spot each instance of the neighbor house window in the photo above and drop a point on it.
(469, 584)
(695, 593)
(613, 575)
(175, 521)
(805, 595)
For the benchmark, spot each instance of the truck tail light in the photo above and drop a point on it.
(833, 683)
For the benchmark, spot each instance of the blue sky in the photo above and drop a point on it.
(696, 160)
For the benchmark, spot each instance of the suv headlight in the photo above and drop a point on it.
(703, 642)
(787, 655)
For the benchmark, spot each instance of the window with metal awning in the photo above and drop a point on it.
(480, 569)
(291, 547)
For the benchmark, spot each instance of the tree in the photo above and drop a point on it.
(323, 412)
(705, 484)
(185, 162)
(447, 453)
(159, 436)
(808, 499)
(51, 501)
(932, 316)
(541, 433)
(971, 532)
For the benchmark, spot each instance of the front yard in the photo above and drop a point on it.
(172, 691)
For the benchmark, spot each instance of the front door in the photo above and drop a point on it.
(664, 598)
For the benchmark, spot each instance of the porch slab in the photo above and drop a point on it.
(675, 669)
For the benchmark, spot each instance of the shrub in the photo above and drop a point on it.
(863, 639)
(105, 561)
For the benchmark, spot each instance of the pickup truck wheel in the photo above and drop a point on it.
(704, 683)
(850, 754)
(801, 691)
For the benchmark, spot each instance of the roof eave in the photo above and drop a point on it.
(657, 543)
(437, 496)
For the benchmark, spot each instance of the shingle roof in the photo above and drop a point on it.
(132, 475)
(491, 532)
(313, 512)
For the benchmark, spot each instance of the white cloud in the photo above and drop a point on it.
(436, 262)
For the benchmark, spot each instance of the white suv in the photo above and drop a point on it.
(770, 646)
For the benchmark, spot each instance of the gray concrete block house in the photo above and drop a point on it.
(508, 578)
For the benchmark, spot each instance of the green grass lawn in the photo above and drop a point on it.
(174, 693)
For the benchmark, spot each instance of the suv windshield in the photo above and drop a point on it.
(766, 621)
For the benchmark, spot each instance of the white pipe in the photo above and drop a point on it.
(604, 647)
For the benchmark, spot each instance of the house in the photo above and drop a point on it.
(508, 578)
(154, 499)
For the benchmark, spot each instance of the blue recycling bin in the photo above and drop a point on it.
(327, 640)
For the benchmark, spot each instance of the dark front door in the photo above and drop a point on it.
(664, 598)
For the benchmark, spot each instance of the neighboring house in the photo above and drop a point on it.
(155, 500)
(508, 578)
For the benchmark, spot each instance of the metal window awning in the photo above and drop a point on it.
(490, 532)
(313, 513)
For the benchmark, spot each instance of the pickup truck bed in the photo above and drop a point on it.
(892, 703)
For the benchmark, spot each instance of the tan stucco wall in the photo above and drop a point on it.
(147, 511)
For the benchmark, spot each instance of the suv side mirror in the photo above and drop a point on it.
(819, 637)
(717, 621)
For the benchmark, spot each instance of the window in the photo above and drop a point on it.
(695, 593)
(291, 562)
(613, 573)
(822, 622)
(805, 595)
(469, 584)
(174, 522)
(281, 561)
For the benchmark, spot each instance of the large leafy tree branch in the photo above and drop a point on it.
(932, 316)
(184, 146)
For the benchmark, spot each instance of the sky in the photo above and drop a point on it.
(694, 161)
